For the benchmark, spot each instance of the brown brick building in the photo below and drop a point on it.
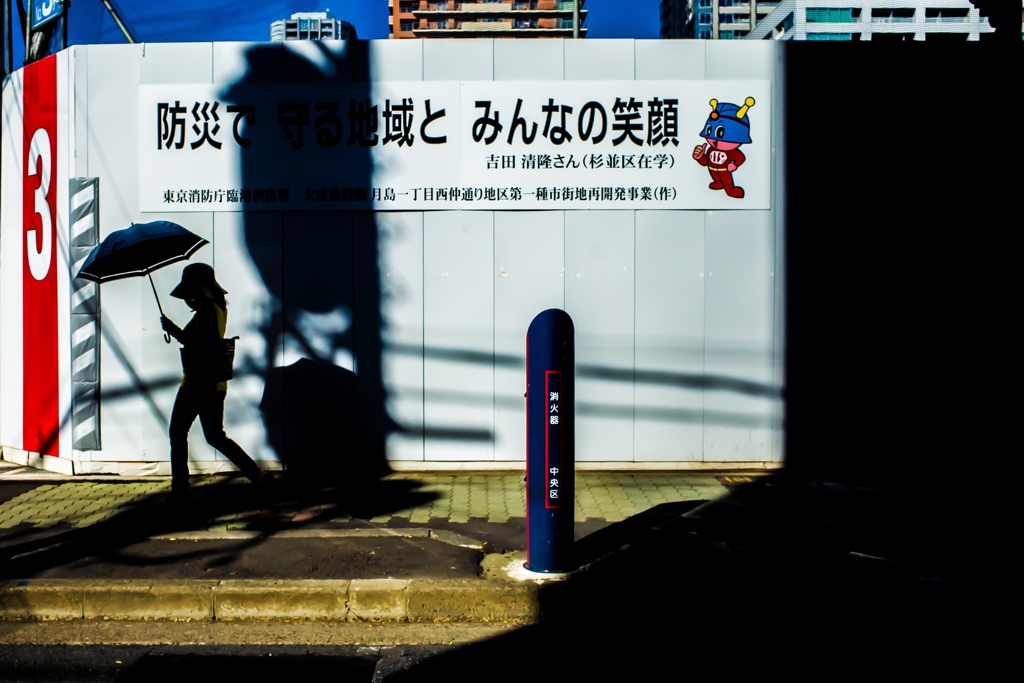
(484, 19)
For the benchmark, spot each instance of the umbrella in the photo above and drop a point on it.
(139, 250)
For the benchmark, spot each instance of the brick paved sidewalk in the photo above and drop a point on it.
(495, 497)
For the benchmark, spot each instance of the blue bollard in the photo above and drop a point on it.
(550, 442)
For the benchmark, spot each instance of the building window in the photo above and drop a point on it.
(407, 25)
(787, 23)
(442, 6)
(832, 15)
(703, 18)
(408, 7)
(443, 23)
(889, 15)
(725, 35)
(724, 18)
(829, 36)
(703, 3)
(703, 34)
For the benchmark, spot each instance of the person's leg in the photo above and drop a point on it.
(183, 414)
(211, 416)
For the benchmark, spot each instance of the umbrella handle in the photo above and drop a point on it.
(167, 337)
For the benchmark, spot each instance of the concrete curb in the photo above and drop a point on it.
(449, 537)
(357, 600)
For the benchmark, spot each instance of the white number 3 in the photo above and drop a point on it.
(39, 259)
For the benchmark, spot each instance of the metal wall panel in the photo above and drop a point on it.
(396, 60)
(778, 273)
(458, 60)
(599, 296)
(317, 61)
(670, 60)
(111, 143)
(251, 62)
(458, 318)
(740, 59)
(739, 326)
(603, 60)
(528, 278)
(160, 362)
(79, 112)
(177, 63)
(669, 336)
(398, 239)
(529, 60)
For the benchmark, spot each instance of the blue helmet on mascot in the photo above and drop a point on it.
(728, 122)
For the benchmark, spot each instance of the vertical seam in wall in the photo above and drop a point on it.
(776, 102)
(423, 334)
(704, 339)
(494, 324)
(633, 402)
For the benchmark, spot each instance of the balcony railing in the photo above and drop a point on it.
(892, 20)
(947, 20)
(507, 12)
(484, 7)
(486, 25)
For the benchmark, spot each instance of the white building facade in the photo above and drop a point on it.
(886, 20)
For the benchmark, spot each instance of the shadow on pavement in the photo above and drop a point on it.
(154, 515)
(177, 668)
(784, 573)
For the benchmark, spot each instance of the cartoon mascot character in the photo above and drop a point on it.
(727, 128)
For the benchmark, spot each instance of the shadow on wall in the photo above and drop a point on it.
(320, 428)
(321, 271)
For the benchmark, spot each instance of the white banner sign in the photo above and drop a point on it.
(486, 145)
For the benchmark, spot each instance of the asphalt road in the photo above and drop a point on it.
(196, 663)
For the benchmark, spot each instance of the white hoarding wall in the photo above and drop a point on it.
(386, 240)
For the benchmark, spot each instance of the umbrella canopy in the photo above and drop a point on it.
(139, 250)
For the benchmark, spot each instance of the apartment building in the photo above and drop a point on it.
(311, 26)
(712, 19)
(486, 19)
(876, 20)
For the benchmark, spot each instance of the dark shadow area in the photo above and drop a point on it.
(153, 515)
(196, 667)
(611, 538)
(866, 555)
(324, 426)
(782, 575)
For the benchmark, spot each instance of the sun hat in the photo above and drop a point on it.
(198, 280)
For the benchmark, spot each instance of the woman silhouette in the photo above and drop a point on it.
(198, 396)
